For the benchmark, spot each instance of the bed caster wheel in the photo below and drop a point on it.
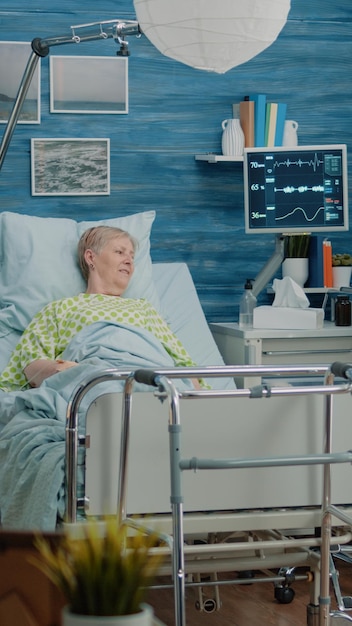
(246, 574)
(210, 605)
(347, 602)
(284, 595)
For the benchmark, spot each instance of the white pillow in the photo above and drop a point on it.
(38, 262)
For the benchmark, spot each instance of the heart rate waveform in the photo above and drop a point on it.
(300, 189)
(299, 209)
(315, 163)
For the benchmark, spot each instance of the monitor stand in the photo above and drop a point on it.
(271, 266)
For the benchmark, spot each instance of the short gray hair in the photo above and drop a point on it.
(95, 239)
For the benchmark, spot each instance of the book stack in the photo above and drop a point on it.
(262, 121)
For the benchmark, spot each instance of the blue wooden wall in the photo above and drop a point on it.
(176, 112)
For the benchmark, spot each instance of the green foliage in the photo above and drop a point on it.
(296, 246)
(341, 259)
(103, 572)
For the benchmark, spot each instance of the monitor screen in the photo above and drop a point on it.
(298, 189)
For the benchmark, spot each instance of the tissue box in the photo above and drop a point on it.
(281, 317)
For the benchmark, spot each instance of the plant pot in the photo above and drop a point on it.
(341, 276)
(143, 618)
(297, 269)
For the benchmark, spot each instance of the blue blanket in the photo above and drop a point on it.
(32, 422)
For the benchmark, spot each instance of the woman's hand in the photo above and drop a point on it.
(39, 370)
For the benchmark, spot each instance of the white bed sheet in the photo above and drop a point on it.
(181, 308)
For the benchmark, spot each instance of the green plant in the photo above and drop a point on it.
(103, 572)
(296, 246)
(341, 259)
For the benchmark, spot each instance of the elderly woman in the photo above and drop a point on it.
(106, 257)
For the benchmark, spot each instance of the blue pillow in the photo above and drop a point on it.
(38, 262)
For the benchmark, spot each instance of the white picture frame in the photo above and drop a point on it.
(88, 84)
(14, 56)
(70, 167)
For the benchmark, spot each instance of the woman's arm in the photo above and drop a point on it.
(35, 356)
(39, 370)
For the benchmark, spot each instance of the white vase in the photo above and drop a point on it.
(297, 269)
(341, 276)
(143, 618)
(290, 137)
(232, 142)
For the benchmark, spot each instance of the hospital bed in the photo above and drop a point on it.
(242, 521)
(266, 520)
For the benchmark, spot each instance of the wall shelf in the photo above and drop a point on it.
(217, 158)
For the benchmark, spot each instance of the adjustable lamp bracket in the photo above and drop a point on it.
(115, 29)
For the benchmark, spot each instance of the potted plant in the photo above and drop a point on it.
(296, 246)
(296, 253)
(341, 270)
(341, 260)
(103, 573)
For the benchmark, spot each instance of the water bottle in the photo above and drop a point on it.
(247, 304)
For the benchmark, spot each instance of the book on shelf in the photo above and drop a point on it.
(259, 100)
(280, 123)
(246, 115)
(270, 123)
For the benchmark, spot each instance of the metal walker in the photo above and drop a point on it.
(163, 381)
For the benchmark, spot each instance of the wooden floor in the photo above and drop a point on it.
(249, 605)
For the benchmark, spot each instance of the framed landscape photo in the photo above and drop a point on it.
(88, 84)
(70, 167)
(14, 57)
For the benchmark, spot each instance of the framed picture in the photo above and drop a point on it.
(70, 167)
(14, 57)
(88, 84)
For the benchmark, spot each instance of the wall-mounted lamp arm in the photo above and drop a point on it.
(112, 29)
(16, 109)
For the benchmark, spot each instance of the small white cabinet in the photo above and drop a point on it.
(281, 347)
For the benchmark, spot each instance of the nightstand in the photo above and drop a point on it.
(281, 347)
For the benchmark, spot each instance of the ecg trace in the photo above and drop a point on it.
(298, 208)
(314, 163)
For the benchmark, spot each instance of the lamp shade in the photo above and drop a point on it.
(211, 35)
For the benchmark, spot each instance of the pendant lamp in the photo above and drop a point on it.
(213, 35)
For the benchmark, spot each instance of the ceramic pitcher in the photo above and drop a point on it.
(232, 142)
(290, 133)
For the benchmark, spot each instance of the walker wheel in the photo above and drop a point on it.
(284, 595)
(209, 605)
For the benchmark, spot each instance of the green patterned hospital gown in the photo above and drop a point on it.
(55, 325)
